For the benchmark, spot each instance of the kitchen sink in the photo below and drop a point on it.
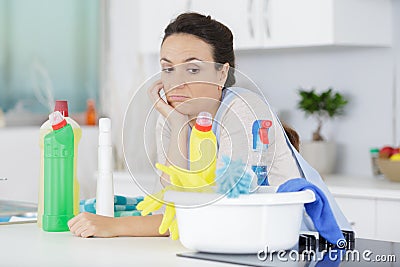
(17, 212)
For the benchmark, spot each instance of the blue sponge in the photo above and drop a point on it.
(232, 179)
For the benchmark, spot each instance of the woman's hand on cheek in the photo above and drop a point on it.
(174, 117)
(87, 224)
(158, 102)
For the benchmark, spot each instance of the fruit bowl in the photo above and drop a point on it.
(390, 169)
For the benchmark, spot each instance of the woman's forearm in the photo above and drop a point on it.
(139, 225)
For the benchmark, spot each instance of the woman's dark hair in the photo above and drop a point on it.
(210, 31)
(292, 135)
(220, 38)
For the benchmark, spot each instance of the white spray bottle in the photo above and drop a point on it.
(105, 187)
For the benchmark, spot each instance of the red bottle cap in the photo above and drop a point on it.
(59, 125)
(57, 120)
(204, 122)
(62, 106)
(202, 128)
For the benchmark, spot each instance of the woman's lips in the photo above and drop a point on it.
(177, 98)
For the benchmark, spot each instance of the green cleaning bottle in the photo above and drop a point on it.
(62, 106)
(58, 175)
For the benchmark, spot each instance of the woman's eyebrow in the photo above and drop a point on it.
(192, 59)
(164, 59)
(186, 60)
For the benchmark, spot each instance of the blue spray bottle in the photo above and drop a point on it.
(260, 146)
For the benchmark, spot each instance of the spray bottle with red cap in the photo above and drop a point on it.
(260, 146)
(58, 175)
(62, 107)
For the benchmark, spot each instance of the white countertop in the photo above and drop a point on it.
(363, 187)
(27, 245)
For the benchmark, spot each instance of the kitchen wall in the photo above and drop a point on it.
(365, 75)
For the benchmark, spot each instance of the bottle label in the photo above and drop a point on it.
(57, 151)
(262, 174)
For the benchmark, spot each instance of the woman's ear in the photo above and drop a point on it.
(223, 74)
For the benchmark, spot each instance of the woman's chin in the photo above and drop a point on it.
(181, 107)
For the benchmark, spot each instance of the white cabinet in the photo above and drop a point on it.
(294, 23)
(263, 24)
(361, 215)
(242, 17)
(371, 205)
(373, 218)
(388, 220)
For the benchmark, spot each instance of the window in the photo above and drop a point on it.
(48, 45)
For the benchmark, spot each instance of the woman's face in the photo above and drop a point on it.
(192, 83)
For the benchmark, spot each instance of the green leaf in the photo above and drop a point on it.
(325, 104)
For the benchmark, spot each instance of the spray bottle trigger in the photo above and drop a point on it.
(263, 133)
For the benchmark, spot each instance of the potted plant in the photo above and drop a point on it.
(321, 154)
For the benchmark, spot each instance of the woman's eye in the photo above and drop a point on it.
(168, 70)
(193, 70)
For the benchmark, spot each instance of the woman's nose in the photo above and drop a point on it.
(178, 80)
(181, 85)
(177, 84)
(176, 87)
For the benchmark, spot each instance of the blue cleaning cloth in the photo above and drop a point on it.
(232, 179)
(331, 259)
(319, 211)
(127, 213)
(122, 200)
(121, 204)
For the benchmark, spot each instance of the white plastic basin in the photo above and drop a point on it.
(246, 224)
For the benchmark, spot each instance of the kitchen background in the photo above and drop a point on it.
(119, 42)
(367, 74)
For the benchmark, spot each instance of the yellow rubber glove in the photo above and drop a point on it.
(180, 178)
(184, 178)
(154, 202)
(151, 203)
(169, 222)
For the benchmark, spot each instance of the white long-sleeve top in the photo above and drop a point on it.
(235, 139)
